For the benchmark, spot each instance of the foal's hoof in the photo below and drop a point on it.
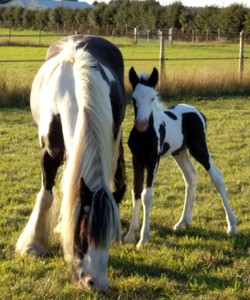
(181, 225)
(232, 230)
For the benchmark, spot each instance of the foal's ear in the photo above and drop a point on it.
(153, 79)
(133, 78)
(118, 195)
(85, 193)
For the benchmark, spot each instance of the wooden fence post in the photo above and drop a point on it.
(148, 34)
(161, 60)
(241, 56)
(39, 38)
(170, 36)
(135, 35)
(193, 36)
(218, 34)
(9, 35)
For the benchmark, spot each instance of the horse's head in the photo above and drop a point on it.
(143, 96)
(98, 224)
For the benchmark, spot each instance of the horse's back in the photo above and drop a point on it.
(104, 53)
(102, 50)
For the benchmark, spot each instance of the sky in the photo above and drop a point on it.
(220, 3)
(195, 3)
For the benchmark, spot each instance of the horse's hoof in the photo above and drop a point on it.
(31, 250)
(129, 238)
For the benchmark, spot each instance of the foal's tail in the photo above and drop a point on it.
(91, 154)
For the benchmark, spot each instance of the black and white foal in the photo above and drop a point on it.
(158, 133)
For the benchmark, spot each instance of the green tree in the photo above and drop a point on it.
(123, 15)
(232, 19)
(9, 17)
(186, 20)
(18, 15)
(95, 17)
(42, 19)
(68, 18)
(174, 12)
(247, 22)
(208, 19)
(55, 17)
(81, 18)
(28, 18)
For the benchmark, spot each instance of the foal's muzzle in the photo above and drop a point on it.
(141, 125)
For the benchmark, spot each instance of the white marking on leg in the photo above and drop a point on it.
(218, 181)
(190, 175)
(37, 233)
(147, 198)
(134, 224)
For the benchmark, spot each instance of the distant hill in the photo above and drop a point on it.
(43, 4)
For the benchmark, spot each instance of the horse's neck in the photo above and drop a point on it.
(158, 111)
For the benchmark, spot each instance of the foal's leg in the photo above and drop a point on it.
(200, 152)
(147, 199)
(190, 175)
(138, 169)
(36, 236)
(218, 181)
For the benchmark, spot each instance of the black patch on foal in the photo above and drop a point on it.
(170, 115)
(162, 131)
(164, 149)
(195, 138)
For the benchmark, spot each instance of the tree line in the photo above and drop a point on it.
(124, 15)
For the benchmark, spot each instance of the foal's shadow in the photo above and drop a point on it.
(239, 242)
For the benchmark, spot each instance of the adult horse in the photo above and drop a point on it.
(78, 103)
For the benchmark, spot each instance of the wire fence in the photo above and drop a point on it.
(218, 70)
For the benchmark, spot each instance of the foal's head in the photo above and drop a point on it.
(98, 224)
(144, 96)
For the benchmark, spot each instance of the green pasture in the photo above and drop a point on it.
(201, 262)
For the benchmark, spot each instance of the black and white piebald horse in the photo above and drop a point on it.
(78, 103)
(157, 133)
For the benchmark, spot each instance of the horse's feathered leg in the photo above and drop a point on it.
(190, 175)
(36, 236)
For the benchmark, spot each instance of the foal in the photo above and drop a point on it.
(158, 133)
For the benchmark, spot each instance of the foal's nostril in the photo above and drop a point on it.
(141, 124)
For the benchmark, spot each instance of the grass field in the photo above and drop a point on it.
(201, 262)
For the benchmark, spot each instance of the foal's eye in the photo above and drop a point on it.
(153, 99)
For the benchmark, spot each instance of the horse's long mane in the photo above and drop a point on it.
(91, 154)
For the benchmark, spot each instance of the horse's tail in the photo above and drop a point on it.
(90, 156)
